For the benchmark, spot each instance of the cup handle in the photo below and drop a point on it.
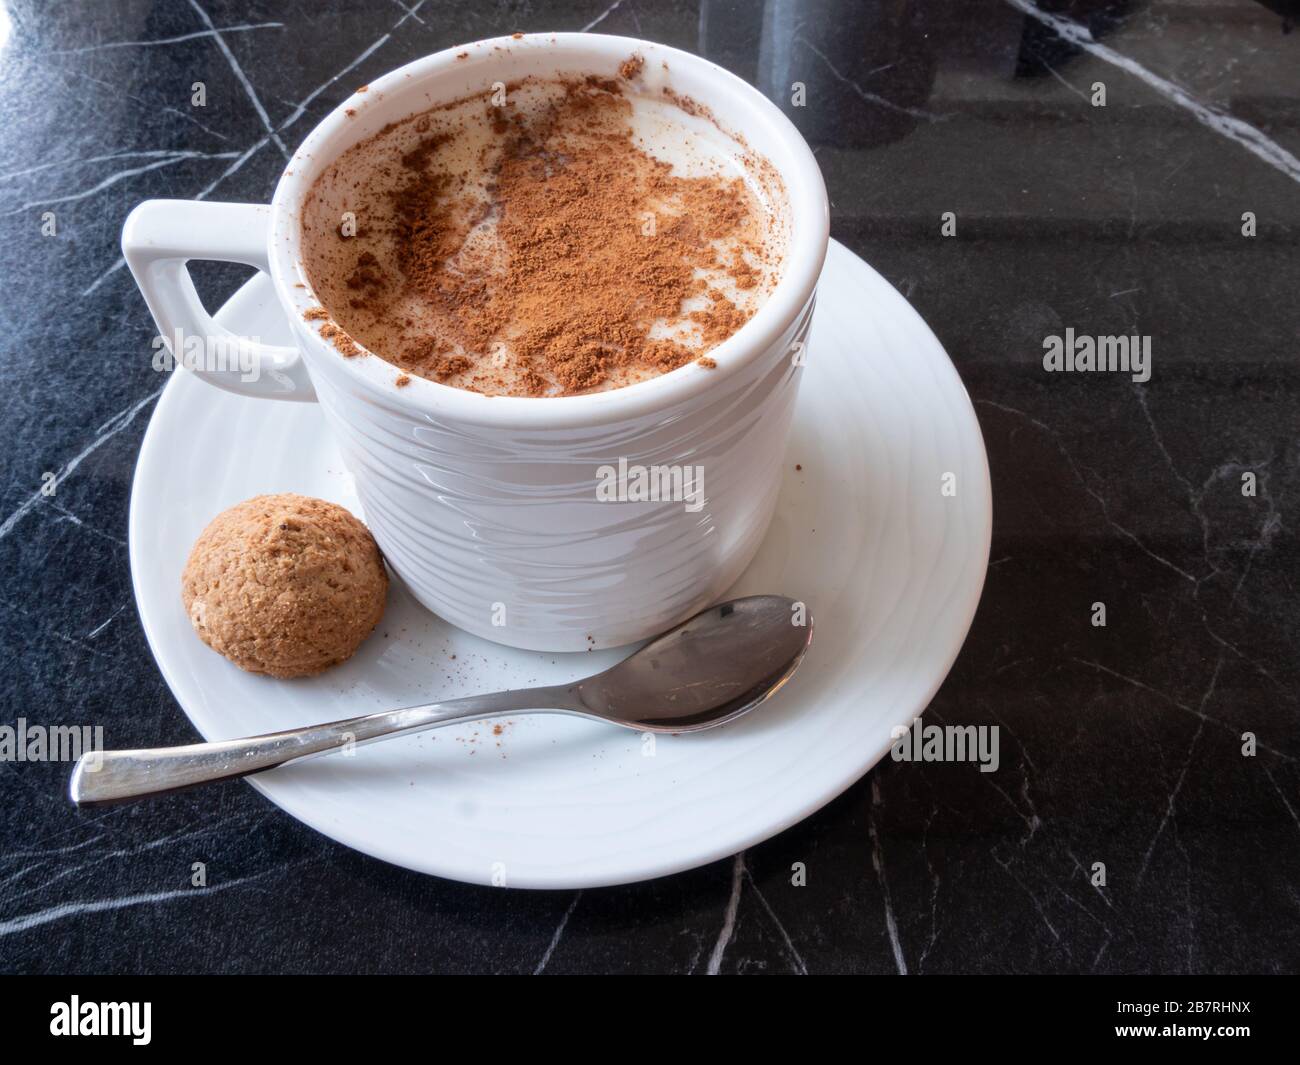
(158, 239)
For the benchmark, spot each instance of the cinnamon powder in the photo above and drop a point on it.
(599, 244)
(330, 331)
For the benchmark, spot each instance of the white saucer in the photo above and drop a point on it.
(890, 567)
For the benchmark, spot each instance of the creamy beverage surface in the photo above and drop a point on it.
(553, 238)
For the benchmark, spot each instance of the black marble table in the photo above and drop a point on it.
(1171, 212)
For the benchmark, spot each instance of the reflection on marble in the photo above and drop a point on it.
(1121, 744)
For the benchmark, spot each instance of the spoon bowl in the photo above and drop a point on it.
(707, 671)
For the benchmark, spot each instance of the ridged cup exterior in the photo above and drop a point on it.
(501, 532)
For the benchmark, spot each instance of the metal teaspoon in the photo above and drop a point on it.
(705, 672)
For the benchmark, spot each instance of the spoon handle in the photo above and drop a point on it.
(114, 776)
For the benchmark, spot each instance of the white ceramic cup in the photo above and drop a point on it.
(487, 506)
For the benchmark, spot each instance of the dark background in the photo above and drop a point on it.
(1120, 744)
